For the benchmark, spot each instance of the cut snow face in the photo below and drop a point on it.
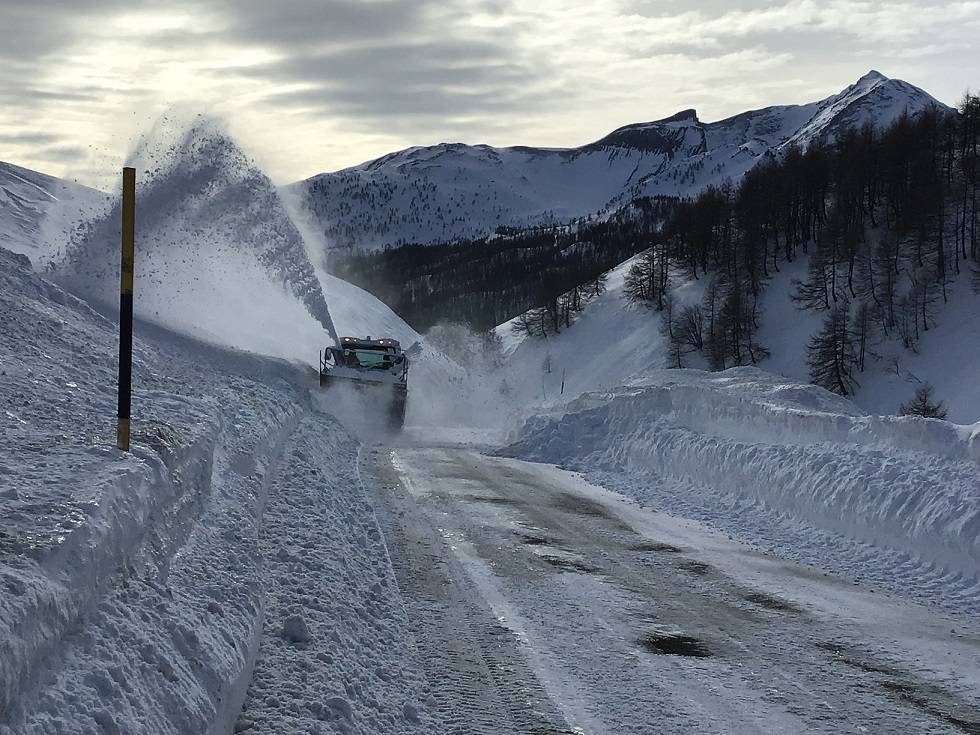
(134, 587)
(218, 257)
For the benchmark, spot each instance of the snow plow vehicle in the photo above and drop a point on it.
(375, 368)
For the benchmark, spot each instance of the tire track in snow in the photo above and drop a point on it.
(479, 681)
(335, 654)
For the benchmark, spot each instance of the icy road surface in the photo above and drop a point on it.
(543, 604)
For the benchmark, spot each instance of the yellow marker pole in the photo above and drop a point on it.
(126, 308)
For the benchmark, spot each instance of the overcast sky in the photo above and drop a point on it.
(316, 85)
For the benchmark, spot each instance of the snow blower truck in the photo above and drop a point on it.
(377, 368)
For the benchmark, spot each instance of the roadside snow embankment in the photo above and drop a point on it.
(135, 588)
(792, 467)
(128, 584)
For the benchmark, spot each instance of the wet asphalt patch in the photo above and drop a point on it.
(695, 567)
(492, 500)
(909, 693)
(675, 644)
(568, 565)
(655, 546)
(928, 698)
(770, 602)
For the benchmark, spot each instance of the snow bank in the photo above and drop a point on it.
(133, 587)
(742, 448)
(109, 582)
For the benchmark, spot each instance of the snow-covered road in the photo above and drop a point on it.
(544, 604)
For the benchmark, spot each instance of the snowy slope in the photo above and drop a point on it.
(37, 211)
(612, 341)
(448, 191)
(609, 342)
(946, 358)
(357, 313)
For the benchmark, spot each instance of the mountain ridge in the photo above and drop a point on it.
(453, 191)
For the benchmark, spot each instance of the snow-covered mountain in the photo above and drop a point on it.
(37, 210)
(218, 256)
(452, 190)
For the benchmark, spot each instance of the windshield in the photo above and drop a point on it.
(370, 358)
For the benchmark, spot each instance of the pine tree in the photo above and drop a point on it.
(640, 285)
(831, 356)
(924, 405)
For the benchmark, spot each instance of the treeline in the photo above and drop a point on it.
(559, 311)
(488, 281)
(887, 218)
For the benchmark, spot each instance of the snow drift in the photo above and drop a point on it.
(749, 451)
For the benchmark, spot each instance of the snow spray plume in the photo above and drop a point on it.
(458, 381)
(218, 256)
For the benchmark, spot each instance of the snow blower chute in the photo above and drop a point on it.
(376, 367)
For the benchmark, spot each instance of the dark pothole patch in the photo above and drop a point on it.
(582, 506)
(492, 500)
(569, 565)
(675, 644)
(655, 546)
(695, 567)
(771, 602)
(532, 540)
(571, 503)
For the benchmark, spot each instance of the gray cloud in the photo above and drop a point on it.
(66, 153)
(388, 73)
(439, 78)
(303, 24)
(33, 29)
(38, 139)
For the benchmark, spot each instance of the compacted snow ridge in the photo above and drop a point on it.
(890, 501)
(335, 654)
